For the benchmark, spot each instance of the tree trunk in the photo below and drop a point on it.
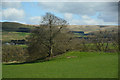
(50, 54)
(50, 40)
(106, 47)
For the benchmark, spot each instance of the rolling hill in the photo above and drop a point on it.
(92, 28)
(13, 26)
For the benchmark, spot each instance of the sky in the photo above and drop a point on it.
(76, 13)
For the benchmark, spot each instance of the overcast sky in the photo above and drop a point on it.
(76, 13)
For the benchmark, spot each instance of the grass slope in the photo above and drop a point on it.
(69, 65)
(92, 28)
(7, 36)
(13, 26)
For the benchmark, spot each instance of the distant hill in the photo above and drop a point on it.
(92, 28)
(13, 26)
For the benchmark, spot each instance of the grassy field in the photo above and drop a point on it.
(69, 65)
(7, 36)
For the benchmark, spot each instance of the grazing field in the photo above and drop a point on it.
(7, 36)
(69, 65)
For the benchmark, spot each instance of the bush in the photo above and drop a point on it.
(12, 53)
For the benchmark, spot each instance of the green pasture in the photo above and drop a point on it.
(68, 65)
(7, 36)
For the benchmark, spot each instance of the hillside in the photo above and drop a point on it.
(91, 28)
(14, 31)
(69, 65)
(13, 26)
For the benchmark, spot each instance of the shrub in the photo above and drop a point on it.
(12, 53)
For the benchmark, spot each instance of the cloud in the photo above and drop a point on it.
(107, 10)
(85, 20)
(11, 4)
(61, 0)
(0, 16)
(109, 16)
(68, 16)
(35, 20)
(12, 14)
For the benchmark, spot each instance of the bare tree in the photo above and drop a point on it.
(46, 37)
(115, 40)
(53, 25)
(101, 40)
